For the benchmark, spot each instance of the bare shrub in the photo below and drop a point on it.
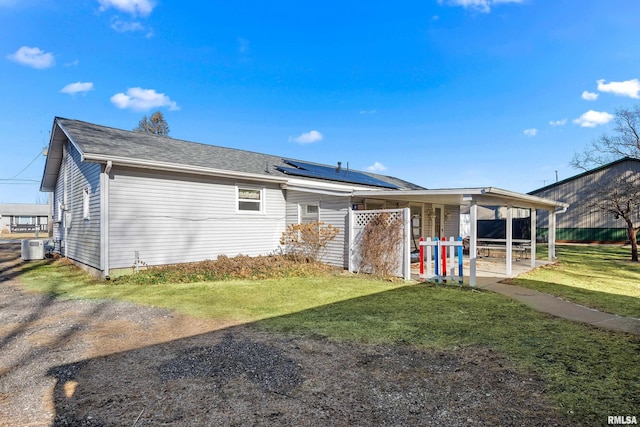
(227, 268)
(381, 240)
(308, 241)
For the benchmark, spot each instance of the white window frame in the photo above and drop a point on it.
(86, 203)
(260, 202)
(305, 216)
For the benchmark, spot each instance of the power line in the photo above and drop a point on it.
(30, 163)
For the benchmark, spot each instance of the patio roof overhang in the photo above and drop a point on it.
(483, 196)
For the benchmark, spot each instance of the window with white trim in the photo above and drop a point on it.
(86, 197)
(309, 213)
(250, 199)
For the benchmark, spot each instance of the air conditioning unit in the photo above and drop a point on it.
(32, 250)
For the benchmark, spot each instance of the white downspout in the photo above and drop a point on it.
(104, 219)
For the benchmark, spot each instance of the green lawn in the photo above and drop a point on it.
(589, 373)
(600, 277)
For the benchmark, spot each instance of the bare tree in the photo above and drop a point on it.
(154, 125)
(619, 196)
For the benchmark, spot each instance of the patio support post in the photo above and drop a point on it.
(509, 242)
(406, 271)
(473, 242)
(552, 235)
(534, 232)
(350, 265)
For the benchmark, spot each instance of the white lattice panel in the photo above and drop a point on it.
(360, 221)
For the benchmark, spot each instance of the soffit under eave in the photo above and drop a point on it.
(465, 200)
(53, 160)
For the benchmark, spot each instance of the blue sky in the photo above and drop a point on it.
(443, 93)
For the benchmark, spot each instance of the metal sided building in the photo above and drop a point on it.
(583, 222)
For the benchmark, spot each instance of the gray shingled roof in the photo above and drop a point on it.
(101, 141)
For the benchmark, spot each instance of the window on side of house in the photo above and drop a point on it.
(250, 199)
(86, 198)
(309, 213)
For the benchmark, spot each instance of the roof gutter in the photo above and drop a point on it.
(172, 167)
(527, 197)
(469, 194)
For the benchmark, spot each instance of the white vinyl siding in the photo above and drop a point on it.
(82, 242)
(173, 218)
(451, 221)
(333, 210)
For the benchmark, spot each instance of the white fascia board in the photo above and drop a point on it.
(53, 160)
(434, 192)
(533, 200)
(490, 194)
(173, 167)
(70, 139)
(324, 187)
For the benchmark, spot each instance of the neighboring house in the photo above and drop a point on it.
(121, 197)
(583, 222)
(24, 218)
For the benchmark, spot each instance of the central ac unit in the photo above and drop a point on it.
(32, 250)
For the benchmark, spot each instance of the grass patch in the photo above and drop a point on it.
(590, 373)
(600, 277)
(242, 300)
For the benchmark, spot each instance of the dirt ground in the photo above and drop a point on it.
(104, 363)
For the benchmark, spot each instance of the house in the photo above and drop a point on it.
(122, 198)
(583, 222)
(24, 218)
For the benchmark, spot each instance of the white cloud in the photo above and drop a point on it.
(376, 167)
(133, 7)
(630, 88)
(365, 112)
(591, 119)
(561, 122)
(32, 57)
(589, 96)
(127, 27)
(308, 137)
(142, 100)
(479, 5)
(530, 132)
(77, 87)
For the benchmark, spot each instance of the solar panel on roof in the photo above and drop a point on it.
(311, 170)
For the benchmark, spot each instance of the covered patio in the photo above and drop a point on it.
(474, 198)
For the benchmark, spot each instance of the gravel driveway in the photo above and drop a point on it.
(103, 363)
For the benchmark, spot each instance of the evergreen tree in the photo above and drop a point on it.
(154, 125)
